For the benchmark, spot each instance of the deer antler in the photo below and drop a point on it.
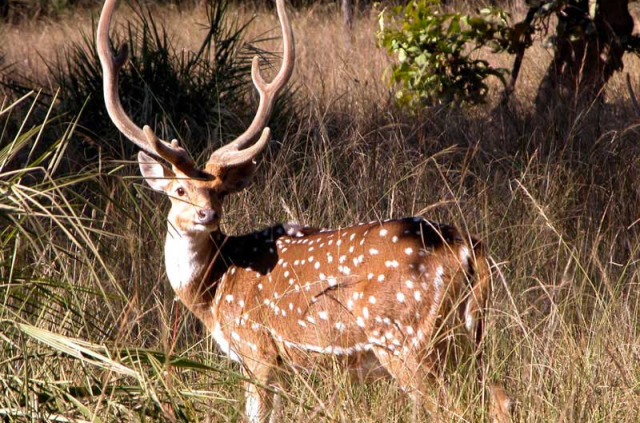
(144, 138)
(237, 152)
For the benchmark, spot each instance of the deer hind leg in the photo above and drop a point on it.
(413, 376)
(499, 401)
(281, 383)
(365, 367)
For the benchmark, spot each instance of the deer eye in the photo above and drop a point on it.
(180, 191)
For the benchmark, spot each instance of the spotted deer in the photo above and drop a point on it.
(391, 296)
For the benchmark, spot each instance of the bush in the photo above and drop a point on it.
(436, 52)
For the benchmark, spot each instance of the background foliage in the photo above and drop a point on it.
(437, 52)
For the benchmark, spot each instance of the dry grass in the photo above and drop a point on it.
(556, 197)
(330, 67)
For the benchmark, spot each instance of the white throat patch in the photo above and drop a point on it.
(186, 257)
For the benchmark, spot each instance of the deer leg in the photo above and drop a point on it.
(256, 407)
(412, 376)
(277, 381)
(262, 404)
(259, 401)
(499, 401)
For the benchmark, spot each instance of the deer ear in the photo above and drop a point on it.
(236, 178)
(157, 175)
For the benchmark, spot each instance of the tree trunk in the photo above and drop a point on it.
(347, 14)
(582, 65)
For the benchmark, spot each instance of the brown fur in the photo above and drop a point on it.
(403, 298)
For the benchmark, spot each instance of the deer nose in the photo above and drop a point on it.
(206, 216)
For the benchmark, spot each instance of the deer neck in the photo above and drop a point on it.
(187, 257)
(193, 268)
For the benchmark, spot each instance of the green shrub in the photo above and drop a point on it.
(436, 52)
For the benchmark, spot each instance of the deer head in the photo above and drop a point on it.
(196, 194)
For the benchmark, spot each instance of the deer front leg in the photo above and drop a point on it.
(259, 397)
(257, 407)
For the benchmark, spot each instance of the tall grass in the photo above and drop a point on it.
(90, 330)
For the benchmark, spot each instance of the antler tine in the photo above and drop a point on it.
(236, 152)
(144, 138)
